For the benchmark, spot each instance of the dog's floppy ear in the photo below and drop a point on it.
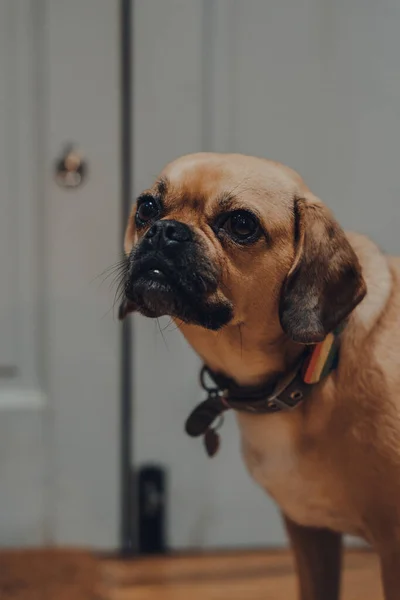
(325, 282)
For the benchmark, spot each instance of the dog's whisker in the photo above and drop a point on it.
(118, 279)
(168, 325)
(119, 293)
(162, 333)
(116, 267)
(231, 192)
(115, 278)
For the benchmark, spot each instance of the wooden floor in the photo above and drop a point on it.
(49, 575)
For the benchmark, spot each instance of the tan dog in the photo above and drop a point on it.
(253, 267)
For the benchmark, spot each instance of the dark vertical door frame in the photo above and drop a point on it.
(128, 542)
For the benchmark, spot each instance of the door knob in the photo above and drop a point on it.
(70, 168)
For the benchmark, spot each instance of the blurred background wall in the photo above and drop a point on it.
(312, 83)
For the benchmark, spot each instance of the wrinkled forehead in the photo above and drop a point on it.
(201, 181)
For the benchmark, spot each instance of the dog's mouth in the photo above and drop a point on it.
(157, 274)
(152, 268)
(184, 289)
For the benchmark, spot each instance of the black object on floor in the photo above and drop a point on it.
(152, 509)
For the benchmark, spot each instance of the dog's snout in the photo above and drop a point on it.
(168, 232)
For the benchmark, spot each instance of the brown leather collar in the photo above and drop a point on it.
(224, 394)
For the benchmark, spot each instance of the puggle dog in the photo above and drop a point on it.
(257, 273)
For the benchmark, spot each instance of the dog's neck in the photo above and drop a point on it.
(249, 357)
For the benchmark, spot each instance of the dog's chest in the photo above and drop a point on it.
(298, 480)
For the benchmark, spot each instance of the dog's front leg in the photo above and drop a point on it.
(390, 567)
(318, 554)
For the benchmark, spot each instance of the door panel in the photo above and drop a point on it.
(59, 340)
(23, 397)
(83, 239)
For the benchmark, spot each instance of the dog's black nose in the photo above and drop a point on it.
(167, 233)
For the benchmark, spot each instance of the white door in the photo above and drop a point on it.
(59, 342)
(292, 80)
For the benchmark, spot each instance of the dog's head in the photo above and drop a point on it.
(230, 239)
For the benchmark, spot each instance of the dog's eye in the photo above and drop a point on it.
(242, 226)
(147, 210)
